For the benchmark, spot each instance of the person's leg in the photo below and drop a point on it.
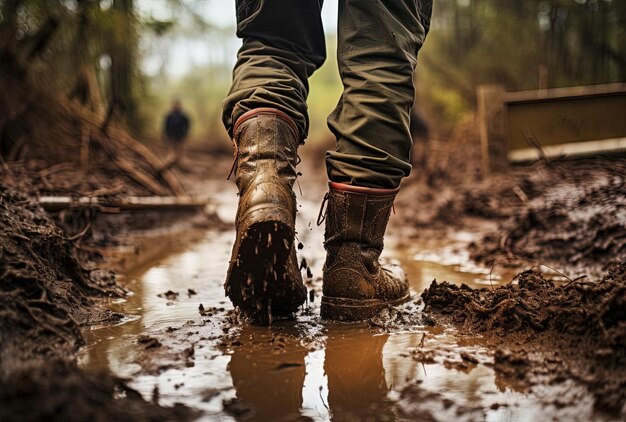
(283, 44)
(171, 153)
(180, 152)
(377, 53)
(265, 114)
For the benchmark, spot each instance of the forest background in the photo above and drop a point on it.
(127, 59)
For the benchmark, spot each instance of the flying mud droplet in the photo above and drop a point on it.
(309, 273)
(311, 296)
(303, 264)
(300, 246)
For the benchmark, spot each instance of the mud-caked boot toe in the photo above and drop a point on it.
(356, 286)
(263, 277)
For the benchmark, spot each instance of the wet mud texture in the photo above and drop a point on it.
(580, 223)
(570, 214)
(58, 390)
(575, 331)
(46, 295)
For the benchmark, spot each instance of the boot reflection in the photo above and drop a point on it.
(357, 389)
(268, 372)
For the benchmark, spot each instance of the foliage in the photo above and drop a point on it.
(96, 52)
(520, 45)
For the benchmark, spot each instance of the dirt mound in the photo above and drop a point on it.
(579, 223)
(58, 390)
(45, 294)
(597, 310)
(567, 214)
(545, 333)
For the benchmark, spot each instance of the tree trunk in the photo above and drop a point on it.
(86, 89)
(123, 50)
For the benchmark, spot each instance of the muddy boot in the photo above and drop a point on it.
(356, 286)
(263, 278)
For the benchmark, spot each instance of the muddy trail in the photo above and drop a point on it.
(475, 352)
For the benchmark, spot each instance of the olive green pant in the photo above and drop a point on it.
(378, 42)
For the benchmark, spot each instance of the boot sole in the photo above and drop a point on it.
(256, 272)
(342, 309)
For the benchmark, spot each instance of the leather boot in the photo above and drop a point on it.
(263, 278)
(356, 286)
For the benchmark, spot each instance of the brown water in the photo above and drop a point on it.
(306, 368)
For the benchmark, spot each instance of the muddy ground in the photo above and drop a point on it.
(46, 297)
(566, 213)
(547, 333)
(555, 340)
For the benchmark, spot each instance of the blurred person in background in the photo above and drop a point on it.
(175, 129)
(266, 116)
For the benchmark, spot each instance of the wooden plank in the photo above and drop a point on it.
(571, 92)
(491, 115)
(527, 125)
(574, 149)
(566, 119)
(56, 203)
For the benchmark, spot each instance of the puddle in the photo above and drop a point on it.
(306, 369)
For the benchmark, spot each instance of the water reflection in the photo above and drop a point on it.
(306, 370)
(357, 387)
(268, 374)
(269, 369)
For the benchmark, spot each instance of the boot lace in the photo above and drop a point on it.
(322, 214)
(233, 168)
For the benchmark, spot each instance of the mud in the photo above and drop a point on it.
(46, 296)
(548, 333)
(578, 224)
(535, 349)
(568, 214)
(405, 364)
(58, 390)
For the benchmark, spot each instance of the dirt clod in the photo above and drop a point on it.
(169, 295)
(584, 321)
(148, 342)
(236, 407)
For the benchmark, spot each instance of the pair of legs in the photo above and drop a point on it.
(175, 151)
(266, 115)
(378, 42)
